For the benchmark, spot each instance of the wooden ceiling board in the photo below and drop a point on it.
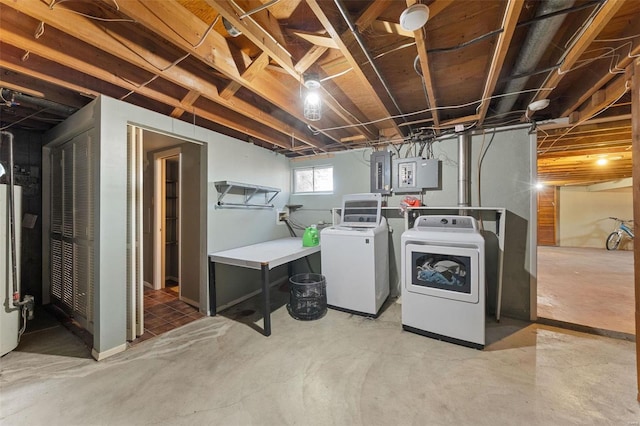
(250, 86)
(284, 9)
(51, 92)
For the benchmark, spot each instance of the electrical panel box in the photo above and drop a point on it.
(381, 172)
(415, 174)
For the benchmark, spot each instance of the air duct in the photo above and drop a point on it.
(464, 170)
(540, 35)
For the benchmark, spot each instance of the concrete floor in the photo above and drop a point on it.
(339, 370)
(587, 286)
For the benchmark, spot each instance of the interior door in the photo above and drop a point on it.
(135, 284)
(71, 233)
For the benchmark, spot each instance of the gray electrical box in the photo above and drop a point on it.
(415, 174)
(381, 172)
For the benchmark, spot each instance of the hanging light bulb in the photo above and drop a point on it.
(312, 106)
(312, 101)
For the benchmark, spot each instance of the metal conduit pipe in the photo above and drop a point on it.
(356, 34)
(540, 35)
(464, 169)
(51, 106)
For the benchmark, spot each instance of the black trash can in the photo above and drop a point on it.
(307, 296)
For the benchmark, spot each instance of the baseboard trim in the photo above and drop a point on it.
(620, 335)
(99, 356)
(190, 302)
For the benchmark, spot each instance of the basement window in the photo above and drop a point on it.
(308, 180)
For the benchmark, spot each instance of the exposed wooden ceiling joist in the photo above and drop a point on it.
(346, 42)
(177, 58)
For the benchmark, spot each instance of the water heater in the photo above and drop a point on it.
(9, 314)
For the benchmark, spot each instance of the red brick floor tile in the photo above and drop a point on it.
(160, 310)
(172, 316)
(162, 328)
(182, 321)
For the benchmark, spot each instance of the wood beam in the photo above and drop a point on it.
(310, 58)
(98, 66)
(261, 37)
(161, 20)
(316, 39)
(256, 67)
(427, 79)
(95, 35)
(386, 27)
(607, 77)
(604, 98)
(421, 46)
(635, 124)
(604, 15)
(186, 103)
(344, 42)
(371, 13)
(24, 81)
(509, 22)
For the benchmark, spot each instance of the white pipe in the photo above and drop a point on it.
(12, 223)
(464, 169)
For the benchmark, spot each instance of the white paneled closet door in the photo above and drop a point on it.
(71, 237)
(135, 285)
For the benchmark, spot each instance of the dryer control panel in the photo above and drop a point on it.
(448, 222)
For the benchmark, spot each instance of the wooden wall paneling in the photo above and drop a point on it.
(548, 207)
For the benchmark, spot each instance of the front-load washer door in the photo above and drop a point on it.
(442, 271)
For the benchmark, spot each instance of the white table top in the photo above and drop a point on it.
(271, 253)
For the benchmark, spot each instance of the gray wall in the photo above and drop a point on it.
(227, 159)
(191, 197)
(506, 175)
(230, 160)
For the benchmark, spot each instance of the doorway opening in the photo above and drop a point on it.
(167, 212)
(580, 284)
(171, 184)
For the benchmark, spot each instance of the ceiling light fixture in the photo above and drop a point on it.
(414, 17)
(311, 80)
(601, 161)
(312, 106)
(538, 105)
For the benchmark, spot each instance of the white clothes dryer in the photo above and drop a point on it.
(355, 257)
(443, 279)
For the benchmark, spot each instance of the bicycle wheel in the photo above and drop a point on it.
(613, 240)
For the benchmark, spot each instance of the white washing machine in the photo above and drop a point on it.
(355, 257)
(443, 280)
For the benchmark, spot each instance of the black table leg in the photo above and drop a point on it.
(212, 288)
(266, 307)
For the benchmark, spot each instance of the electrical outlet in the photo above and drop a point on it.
(282, 216)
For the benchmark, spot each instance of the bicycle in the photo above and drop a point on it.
(623, 229)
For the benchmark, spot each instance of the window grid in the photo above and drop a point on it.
(316, 179)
